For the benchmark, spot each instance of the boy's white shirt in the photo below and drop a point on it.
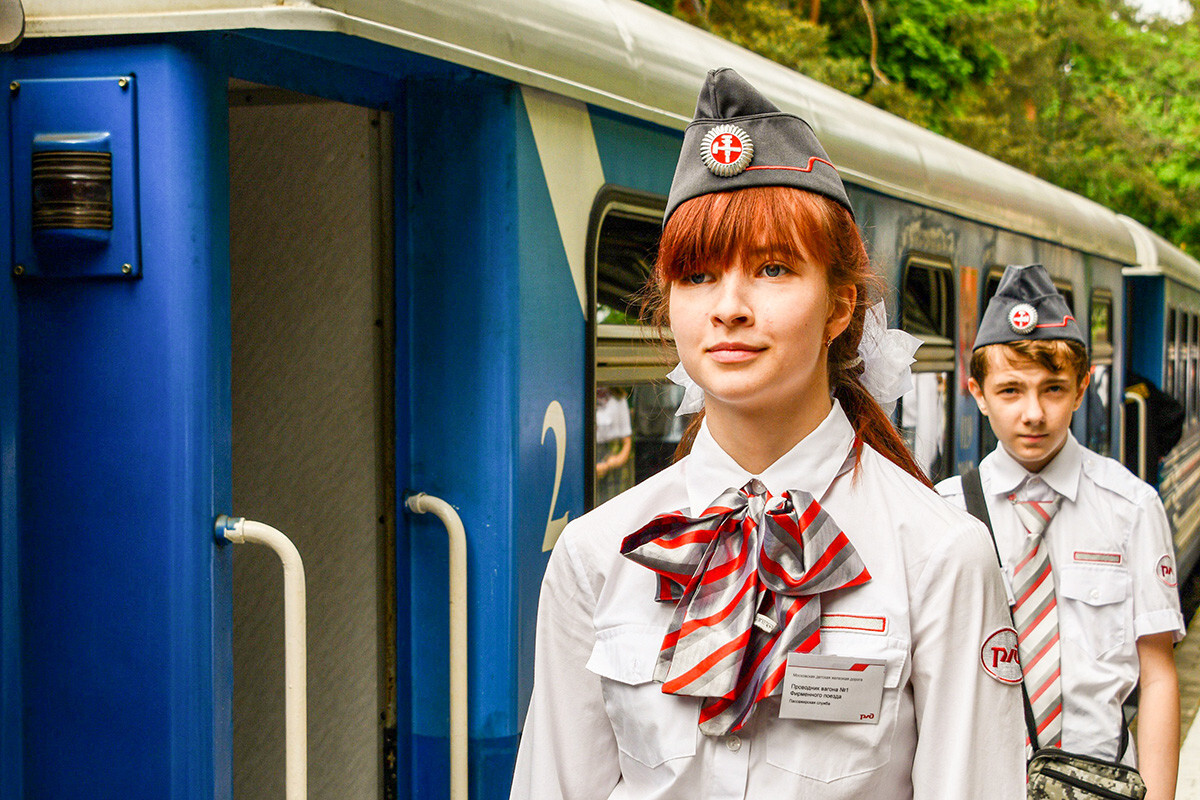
(1112, 555)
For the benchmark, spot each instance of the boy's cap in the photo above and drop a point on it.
(1027, 307)
(739, 139)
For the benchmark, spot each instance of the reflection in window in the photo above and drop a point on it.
(1191, 366)
(636, 431)
(923, 422)
(1099, 395)
(1098, 402)
(1169, 361)
(923, 413)
(636, 434)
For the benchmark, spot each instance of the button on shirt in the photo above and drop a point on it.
(1111, 550)
(599, 727)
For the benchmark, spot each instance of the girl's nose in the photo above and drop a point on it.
(731, 303)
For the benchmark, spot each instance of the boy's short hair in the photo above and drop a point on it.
(1055, 355)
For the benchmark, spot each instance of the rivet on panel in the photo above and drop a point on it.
(127, 268)
(14, 87)
(19, 269)
(123, 83)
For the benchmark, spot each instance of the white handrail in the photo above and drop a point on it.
(295, 646)
(1140, 402)
(422, 503)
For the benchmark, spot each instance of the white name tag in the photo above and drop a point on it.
(832, 688)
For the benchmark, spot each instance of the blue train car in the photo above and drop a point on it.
(1163, 290)
(300, 262)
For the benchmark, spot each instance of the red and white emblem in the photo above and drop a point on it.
(1166, 571)
(726, 150)
(1000, 658)
(1022, 318)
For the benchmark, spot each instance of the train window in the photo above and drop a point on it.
(1193, 349)
(1100, 389)
(1169, 360)
(635, 428)
(924, 412)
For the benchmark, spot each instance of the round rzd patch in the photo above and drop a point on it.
(1022, 318)
(999, 656)
(1166, 571)
(726, 150)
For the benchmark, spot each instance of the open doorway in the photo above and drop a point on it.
(310, 252)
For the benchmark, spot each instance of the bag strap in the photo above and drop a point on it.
(977, 506)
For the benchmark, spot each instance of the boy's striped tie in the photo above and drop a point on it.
(1035, 615)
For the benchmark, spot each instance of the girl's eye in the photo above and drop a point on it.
(696, 278)
(774, 270)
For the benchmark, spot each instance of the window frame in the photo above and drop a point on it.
(617, 355)
(937, 352)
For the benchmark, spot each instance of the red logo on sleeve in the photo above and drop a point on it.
(1166, 571)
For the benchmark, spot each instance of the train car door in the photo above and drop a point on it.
(310, 254)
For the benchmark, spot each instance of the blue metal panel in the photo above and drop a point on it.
(124, 447)
(460, 312)
(497, 340)
(553, 388)
(55, 113)
(11, 783)
(636, 155)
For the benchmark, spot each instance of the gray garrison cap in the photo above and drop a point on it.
(1027, 307)
(739, 139)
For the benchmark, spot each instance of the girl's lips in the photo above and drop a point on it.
(733, 353)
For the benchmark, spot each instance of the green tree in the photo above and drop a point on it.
(1079, 92)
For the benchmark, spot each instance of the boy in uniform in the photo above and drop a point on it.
(1085, 546)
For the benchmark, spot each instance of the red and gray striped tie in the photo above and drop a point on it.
(746, 575)
(1035, 614)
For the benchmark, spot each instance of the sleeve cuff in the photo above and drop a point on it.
(1161, 621)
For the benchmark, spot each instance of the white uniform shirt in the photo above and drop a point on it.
(1112, 555)
(612, 419)
(598, 726)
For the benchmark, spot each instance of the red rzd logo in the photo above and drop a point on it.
(1166, 571)
(999, 657)
(1004, 655)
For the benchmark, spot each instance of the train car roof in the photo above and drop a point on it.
(627, 57)
(1157, 256)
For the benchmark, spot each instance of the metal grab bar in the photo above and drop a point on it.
(295, 646)
(1140, 402)
(422, 503)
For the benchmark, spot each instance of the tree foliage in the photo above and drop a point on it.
(1079, 92)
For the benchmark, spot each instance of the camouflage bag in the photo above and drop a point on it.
(1058, 775)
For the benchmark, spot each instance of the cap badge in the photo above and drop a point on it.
(726, 150)
(1022, 318)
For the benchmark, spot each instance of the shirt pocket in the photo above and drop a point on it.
(1093, 612)
(651, 727)
(828, 751)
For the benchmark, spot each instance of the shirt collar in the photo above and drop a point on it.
(1061, 474)
(810, 466)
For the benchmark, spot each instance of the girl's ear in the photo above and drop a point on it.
(842, 312)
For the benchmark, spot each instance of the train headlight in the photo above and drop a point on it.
(72, 188)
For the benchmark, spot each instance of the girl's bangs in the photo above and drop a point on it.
(707, 232)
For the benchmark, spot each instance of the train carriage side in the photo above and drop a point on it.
(1163, 291)
(348, 285)
(943, 269)
(378, 250)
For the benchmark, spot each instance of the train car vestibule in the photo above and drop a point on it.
(310, 253)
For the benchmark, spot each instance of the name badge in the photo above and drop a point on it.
(832, 688)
